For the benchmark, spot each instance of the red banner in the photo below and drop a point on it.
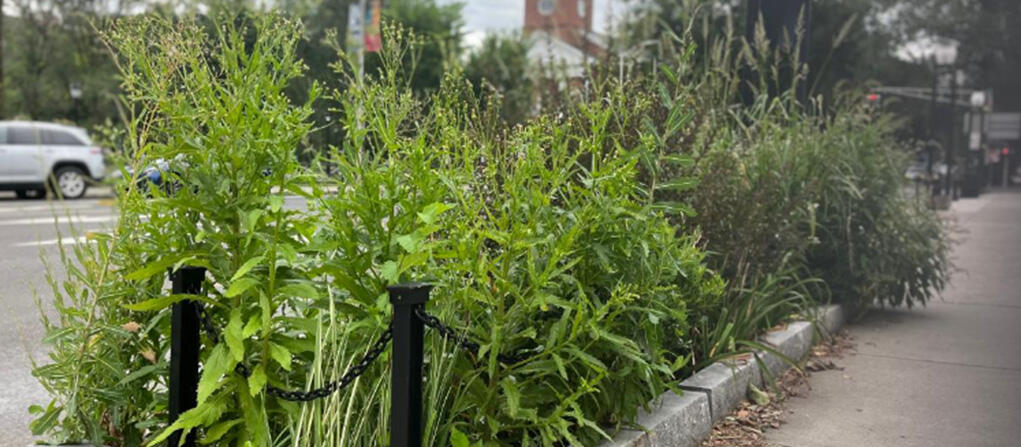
(373, 36)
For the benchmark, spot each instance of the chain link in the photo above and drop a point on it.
(318, 393)
(459, 339)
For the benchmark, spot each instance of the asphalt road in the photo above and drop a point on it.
(29, 234)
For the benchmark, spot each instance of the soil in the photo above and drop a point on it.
(747, 424)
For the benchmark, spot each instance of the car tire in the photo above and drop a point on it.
(69, 182)
(31, 194)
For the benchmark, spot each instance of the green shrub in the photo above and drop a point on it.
(213, 106)
(541, 246)
(540, 241)
(579, 249)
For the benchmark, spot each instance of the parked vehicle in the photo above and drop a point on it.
(37, 157)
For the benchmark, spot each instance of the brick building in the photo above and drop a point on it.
(561, 33)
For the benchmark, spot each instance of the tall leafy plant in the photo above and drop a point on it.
(211, 105)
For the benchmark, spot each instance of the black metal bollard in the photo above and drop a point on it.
(184, 348)
(406, 370)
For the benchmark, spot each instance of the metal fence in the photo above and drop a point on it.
(407, 332)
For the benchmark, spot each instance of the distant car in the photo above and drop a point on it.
(37, 157)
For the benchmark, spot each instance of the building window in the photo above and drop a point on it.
(546, 7)
(582, 8)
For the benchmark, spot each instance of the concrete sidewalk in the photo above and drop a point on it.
(945, 375)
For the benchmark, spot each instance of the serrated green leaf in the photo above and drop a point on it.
(240, 286)
(257, 380)
(216, 365)
(409, 242)
(389, 272)
(200, 415)
(251, 327)
(513, 396)
(431, 211)
(281, 355)
(217, 431)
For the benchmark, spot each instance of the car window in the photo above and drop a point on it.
(21, 135)
(59, 137)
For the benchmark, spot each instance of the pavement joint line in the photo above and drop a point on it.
(941, 362)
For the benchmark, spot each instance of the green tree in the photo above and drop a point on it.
(50, 44)
(439, 28)
(499, 70)
(988, 32)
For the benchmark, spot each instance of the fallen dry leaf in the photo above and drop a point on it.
(746, 425)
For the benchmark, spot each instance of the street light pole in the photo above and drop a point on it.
(953, 132)
(930, 146)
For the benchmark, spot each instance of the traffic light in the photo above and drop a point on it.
(873, 97)
(1005, 151)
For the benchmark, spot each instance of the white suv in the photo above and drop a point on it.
(38, 156)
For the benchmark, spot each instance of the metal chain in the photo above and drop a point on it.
(459, 339)
(304, 396)
(318, 393)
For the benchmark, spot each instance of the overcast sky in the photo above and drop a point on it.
(487, 16)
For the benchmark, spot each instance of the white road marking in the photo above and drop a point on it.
(63, 241)
(52, 207)
(61, 219)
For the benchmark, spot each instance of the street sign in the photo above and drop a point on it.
(1000, 126)
(1003, 126)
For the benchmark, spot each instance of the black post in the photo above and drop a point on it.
(184, 348)
(406, 369)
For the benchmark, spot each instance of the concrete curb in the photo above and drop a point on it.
(725, 384)
(793, 342)
(677, 420)
(711, 394)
